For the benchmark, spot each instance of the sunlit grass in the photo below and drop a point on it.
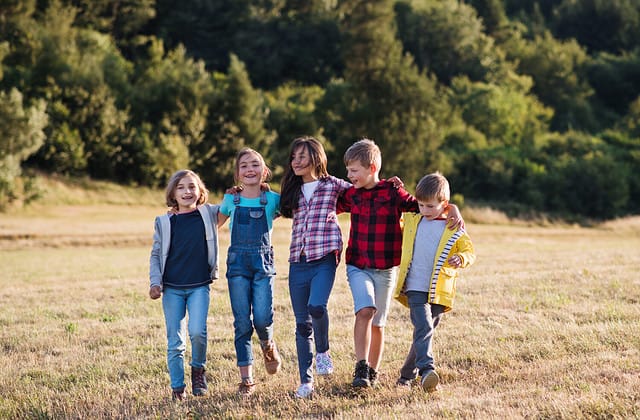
(545, 326)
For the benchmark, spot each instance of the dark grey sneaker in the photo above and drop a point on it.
(178, 394)
(198, 381)
(403, 382)
(361, 375)
(430, 380)
(373, 377)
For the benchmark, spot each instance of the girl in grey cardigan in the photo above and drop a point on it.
(184, 262)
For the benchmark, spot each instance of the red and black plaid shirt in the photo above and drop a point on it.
(375, 237)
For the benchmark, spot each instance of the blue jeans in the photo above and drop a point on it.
(310, 285)
(175, 304)
(251, 298)
(425, 318)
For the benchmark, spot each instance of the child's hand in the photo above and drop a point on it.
(454, 217)
(396, 182)
(155, 292)
(455, 261)
(234, 190)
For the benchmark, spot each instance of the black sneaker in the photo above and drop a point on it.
(373, 377)
(361, 375)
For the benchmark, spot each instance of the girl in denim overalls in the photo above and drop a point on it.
(250, 264)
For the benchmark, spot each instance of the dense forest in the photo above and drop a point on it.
(528, 106)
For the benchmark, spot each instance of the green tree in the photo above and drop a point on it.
(170, 107)
(507, 115)
(585, 177)
(446, 38)
(22, 128)
(237, 119)
(492, 12)
(616, 81)
(558, 72)
(599, 25)
(384, 96)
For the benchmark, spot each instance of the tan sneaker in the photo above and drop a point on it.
(271, 355)
(246, 387)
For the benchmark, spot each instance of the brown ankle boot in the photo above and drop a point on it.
(198, 381)
(271, 355)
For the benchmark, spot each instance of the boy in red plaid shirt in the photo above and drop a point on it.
(374, 250)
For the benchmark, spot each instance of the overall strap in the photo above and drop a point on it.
(263, 198)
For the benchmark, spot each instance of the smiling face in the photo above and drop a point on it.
(187, 193)
(302, 165)
(432, 208)
(361, 176)
(251, 169)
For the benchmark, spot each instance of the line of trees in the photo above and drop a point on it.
(530, 106)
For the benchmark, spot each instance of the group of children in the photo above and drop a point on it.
(425, 260)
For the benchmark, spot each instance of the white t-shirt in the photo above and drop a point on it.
(309, 188)
(425, 247)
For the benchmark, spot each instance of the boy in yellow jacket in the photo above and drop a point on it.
(431, 257)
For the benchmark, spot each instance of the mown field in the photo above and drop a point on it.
(546, 326)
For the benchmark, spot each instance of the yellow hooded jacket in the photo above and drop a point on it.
(442, 283)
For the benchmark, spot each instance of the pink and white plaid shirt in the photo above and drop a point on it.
(315, 228)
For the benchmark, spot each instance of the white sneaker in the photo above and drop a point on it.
(324, 364)
(305, 390)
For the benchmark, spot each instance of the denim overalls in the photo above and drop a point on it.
(250, 274)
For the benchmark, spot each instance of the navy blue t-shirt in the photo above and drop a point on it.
(187, 264)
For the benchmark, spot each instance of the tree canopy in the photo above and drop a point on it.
(525, 105)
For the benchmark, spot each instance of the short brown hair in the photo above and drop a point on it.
(364, 151)
(431, 186)
(173, 183)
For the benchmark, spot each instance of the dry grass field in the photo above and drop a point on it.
(546, 325)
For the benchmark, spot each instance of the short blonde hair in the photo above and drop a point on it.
(364, 151)
(173, 184)
(432, 186)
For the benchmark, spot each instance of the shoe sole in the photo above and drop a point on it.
(362, 383)
(272, 369)
(430, 382)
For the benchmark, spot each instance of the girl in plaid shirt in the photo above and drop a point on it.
(308, 196)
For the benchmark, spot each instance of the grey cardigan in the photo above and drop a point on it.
(162, 239)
